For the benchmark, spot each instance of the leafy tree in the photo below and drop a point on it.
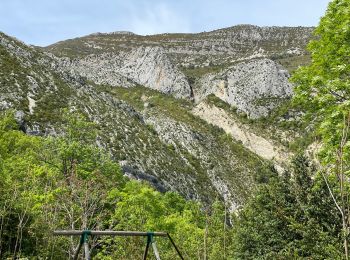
(219, 232)
(51, 183)
(323, 90)
(288, 218)
(67, 182)
(87, 175)
(139, 207)
(18, 154)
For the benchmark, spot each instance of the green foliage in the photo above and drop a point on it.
(219, 233)
(323, 87)
(51, 183)
(323, 90)
(139, 207)
(13, 74)
(274, 126)
(49, 104)
(289, 218)
(294, 216)
(209, 136)
(67, 182)
(194, 73)
(196, 233)
(292, 62)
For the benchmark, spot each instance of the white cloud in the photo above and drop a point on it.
(156, 18)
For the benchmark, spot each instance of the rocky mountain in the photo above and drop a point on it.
(147, 66)
(196, 65)
(254, 87)
(186, 112)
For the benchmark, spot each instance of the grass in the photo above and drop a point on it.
(293, 62)
(194, 73)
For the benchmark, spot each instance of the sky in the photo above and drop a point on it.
(43, 22)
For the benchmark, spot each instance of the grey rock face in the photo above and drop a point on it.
(101, 69)
(170, 148)
(181, 136)
(147, 66)
(254, 87)
(156, 148)
(247, 77)
(216, 47)
(19, 117)
(150, 67)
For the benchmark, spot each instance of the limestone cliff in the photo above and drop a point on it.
(254, 87)
(147, 66)
(147, 95)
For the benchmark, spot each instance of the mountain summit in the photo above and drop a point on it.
(186, 112)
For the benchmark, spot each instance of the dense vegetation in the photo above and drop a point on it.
(292, 217)
(306, 214)
(323, 91)
(68, 182)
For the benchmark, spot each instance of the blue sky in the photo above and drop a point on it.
(43, 22)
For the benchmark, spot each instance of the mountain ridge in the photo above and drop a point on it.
(143, 96)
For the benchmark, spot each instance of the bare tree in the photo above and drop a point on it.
(341, 201)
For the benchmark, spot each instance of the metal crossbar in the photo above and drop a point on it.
(84, 234)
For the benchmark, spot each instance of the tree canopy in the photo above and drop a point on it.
(68, 182)
(323, 92)
(323, 88)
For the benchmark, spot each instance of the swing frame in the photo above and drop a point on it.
(84, 234)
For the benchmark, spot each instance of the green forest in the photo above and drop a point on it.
(67, 181)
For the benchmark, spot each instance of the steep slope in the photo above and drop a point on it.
(155, 137)
(262, 146)
(254, 87)
(147, 66)
(239, 64)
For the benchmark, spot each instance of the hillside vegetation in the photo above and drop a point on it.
(199, 135)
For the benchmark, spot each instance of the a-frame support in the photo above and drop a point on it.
(84, 234)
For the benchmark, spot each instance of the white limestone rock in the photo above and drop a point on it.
(101, 69)
(147, 66)
(151, 67)
(254, 87)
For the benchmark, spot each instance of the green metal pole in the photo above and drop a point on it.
(149, 241)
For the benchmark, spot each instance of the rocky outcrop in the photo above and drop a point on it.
(147, 66)
(162, 142)
(217, 47)
(239, 64)
(183, 138)
(151, 67)
(101, 69)
(254, 87)
(155, 137)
